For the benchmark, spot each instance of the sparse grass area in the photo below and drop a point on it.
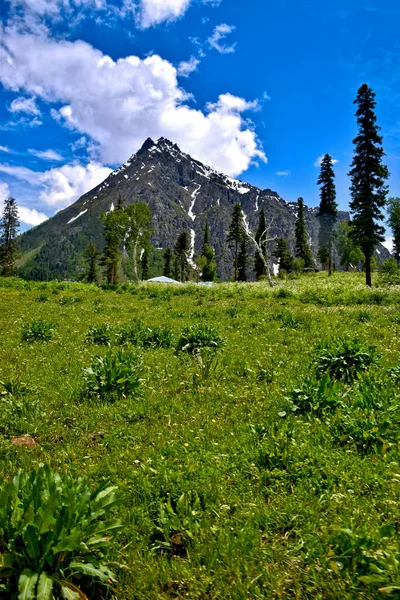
(258, 478)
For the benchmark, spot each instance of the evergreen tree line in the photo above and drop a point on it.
(355, 241)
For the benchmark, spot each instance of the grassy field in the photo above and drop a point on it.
(245, 474)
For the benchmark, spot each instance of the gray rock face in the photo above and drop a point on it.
(182, 194)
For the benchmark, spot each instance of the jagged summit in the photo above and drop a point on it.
(182, 194)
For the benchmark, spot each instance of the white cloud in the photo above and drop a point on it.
(4, 149)
(31, 216)
(186, 67)
(283, 173)
(52, 8)
(79, 143)
(118, 104)
(4, 191)
(46, 154)
(24, 105)
(320, 158)
(219, 34)
(154, 12)
(61, 186)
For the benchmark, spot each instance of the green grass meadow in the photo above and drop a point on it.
(230, 490)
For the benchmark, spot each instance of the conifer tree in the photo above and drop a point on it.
(368, 176)
(167, 262)
(182, 249)
(303, 250)
(9, 224)
(394, 223)
(242, 260)
(207, 258)
(259, 265)
(235, 236)
(327, 214)
(92, 255)
(113, 233)
(284, 256)
(145, 264)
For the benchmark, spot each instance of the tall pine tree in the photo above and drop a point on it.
(9, 224)
(368, 176)
(182, 249)
(167, 262)
(113, 233)
(327, 214)
(394, 223)
(91, 255)
(242, 260)
(235, 236)
(259, 265)
(207, 258)
(303, 250)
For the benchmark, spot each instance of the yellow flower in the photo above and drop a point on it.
(186, 444)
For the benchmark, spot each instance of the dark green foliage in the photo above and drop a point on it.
(302, 247)
(259, 266)
(101, 335)
(167, 262)
(139, 334)
(206, 262)
(9, 224)
(393, 209)
(113, 376)
(37, 331)
(92, 256)
(182, 251)
(54, 536)
(284, 256)
(327, 214)
(235, 237)
(242, 261)
(178, 525)
(345, 359)
(350, 254)
(368, 176)
(196, 338)
(68, 300)
(316, 396)
(389, 272)
(113, 234)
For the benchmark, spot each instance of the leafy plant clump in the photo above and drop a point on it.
(54, 536)
(139, 334)
(345, 359)
(316, 396)
(101, 335)
(195, 339)
(37, 331)
(113, 376)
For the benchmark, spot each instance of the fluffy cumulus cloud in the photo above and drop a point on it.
(29, 216)
(118, 104)
(216, 40)
(24, 105)
(154, 12)
(61, 186)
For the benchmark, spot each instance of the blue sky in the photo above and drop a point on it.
(258, 89)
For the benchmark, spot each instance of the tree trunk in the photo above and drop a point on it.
(368, 280)
(330, 262)
(134, 262)
(236, 260)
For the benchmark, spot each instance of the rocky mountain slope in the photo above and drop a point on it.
(182, 194)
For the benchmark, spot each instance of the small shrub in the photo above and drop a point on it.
(363, 316)
(37, 331)
(369, 430)
(394, 374)
(195, 339)
(282, 294)
(157, 337)
(42, 298)
(289, 320)
(131, 333)
(344, 359)
(101, 335)
(54, 535)
(316, 396)
(67, 300)
(389, 272)
(114, 376)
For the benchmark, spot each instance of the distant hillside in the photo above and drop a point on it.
(182, 194)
